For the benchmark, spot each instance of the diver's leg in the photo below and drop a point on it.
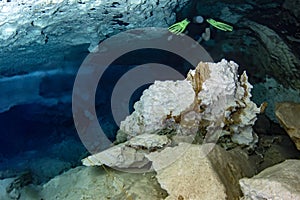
(206, 34)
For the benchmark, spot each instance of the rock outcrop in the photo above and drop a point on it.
(212, 98)
(283, 64)
(288, 115)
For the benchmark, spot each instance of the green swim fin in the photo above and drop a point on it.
(220, 25)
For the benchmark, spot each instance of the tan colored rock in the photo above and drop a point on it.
(194, 175)
(288, 115)
(93, 183)
(281, 181)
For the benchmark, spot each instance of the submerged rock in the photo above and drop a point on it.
(288, 115)
(5, 183)
(211, 98)
(283, 63)
(281, 181)
(130, 154)
(196, 175)
(94, 183)
(159, 105)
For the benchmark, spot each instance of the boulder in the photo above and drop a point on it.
(288, 115)
(198, 175)
(281, 181)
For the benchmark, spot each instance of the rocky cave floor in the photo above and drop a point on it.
(30, 171)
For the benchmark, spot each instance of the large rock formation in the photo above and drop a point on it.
(210, 103)
(95, 183)
(288, 114)
(210, 99)
(278, 182)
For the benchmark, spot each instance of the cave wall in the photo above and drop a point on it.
(46, 34)
(265, 40)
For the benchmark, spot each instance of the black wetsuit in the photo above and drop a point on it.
(195, 30)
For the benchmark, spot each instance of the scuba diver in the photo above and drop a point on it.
(198, 28)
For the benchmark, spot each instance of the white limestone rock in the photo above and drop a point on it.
(191, 176)
(162, 101)
(120, 156)
(130, 154)
(281, 181)
(226, 101)
(212, 97)
(243, 133)
(148, 141)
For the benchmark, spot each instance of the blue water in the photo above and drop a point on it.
(36, 132)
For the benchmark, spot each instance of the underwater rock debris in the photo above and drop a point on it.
(277, 182)
(195, 175)
(130, 154)
(288, 115)
(210, 101)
